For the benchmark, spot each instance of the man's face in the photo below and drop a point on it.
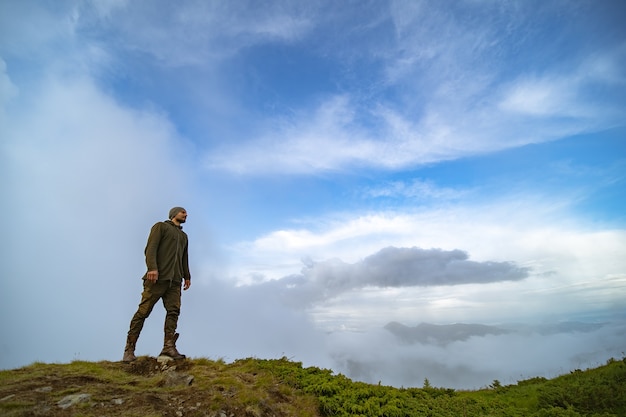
(181, 216)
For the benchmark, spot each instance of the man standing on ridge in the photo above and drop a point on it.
(168, 267)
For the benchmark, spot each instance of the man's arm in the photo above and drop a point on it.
(185, 261)
(187, 276)
(152, 247)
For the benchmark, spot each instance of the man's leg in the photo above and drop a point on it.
(171, 302)
(149, 297)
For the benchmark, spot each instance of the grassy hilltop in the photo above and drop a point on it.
(256, 387)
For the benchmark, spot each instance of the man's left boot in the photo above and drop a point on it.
(129, 350)
(169, 347)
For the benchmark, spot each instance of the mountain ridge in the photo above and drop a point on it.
(280, 387)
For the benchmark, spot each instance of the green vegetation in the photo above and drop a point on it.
(258, 387)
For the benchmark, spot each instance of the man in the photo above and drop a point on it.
(168, 267)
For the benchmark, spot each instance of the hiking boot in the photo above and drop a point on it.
(129, 350)
(169, 347)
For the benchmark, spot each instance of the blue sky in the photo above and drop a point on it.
(344, 165)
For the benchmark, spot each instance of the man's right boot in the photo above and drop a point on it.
(169, 347)
(129, 350)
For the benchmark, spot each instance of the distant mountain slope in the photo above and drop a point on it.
(554, 328)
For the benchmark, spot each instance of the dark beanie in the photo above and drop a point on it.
(174, 211)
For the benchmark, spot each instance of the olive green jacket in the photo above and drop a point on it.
(166, 252)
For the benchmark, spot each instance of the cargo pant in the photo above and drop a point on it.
(166, 290)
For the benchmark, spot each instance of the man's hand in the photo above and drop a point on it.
(152, 276)
(187, 284)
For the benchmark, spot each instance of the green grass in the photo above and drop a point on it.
(258, 387)
(595, 392)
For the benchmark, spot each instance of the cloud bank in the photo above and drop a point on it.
(394, 267)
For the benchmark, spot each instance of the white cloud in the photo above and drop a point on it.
(572, 267)
(490, 118)
(454, 98)
(198, 33)
(568, 94)
(87, 178)
(324, 141)
(546, 97)
(416, 189)
(474, 363)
